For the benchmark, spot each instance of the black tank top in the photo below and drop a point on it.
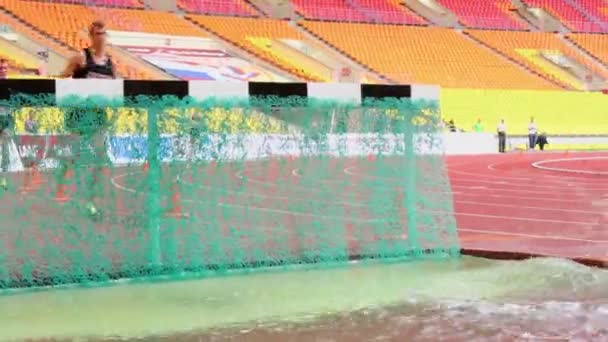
(94, 70)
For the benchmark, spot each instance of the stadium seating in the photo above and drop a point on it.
(245, 33)
(597, 10)
(492, 14)
(68, 24)
(595, 44)
(381, 11)
(105, 3)
(387, 11)
(425, 55)
(328, 10)
(570, 16)
(19, 60)
(27, 31)
(523, 46)
(224, 7)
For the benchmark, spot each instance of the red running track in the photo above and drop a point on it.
(505, 206)
(508, 207)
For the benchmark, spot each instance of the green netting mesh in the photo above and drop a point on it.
(95, 190)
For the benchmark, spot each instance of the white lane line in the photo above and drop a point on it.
(533, 236)
(534, 185)
(507, 205)
(483, 231)
(363, 205)
(249, 207)
(349, 172)
(274, 210)
(520, 218)
(531, 174)
(541, 165)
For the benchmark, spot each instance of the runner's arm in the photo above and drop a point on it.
(73, 64)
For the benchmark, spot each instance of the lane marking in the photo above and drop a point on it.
(349, 172)
(533, 236)
(541, 165)
(472, 230)
(354, 219)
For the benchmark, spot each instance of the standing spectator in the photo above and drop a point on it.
(6, 124)
(452, 125)
(3, 69)
(532, 134)
(502, 136)
(478, 127)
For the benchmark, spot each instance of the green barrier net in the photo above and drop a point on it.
(95, 190)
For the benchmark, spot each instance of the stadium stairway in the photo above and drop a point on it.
(18, 57)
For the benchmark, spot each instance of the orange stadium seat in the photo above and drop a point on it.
(68, 24)
(242, 32)
(516, 44)
(595, 44)
(425, 55)
(33, 34)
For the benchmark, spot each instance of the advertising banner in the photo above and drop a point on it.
(202, 64)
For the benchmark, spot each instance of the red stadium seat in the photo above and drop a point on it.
(492, 14)
(224, 7)
(569, 15)
(105, 3)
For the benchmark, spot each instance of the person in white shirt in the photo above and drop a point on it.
(502, 136)
(532, 134)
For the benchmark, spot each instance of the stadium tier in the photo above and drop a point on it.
(425, 55)
(595, 44)
(492, 14)
(544, 53)
(379, 11)
(490, 46)
(224, 7)
(574, 16)
(256, 36)
(105, 3)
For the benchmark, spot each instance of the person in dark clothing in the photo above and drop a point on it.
(452, 126)
(6, 124)
(502, 136)
(3, 68)
(541, 141)
(88, 124)
(93, 62)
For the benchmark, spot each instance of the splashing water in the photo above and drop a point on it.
(466, 300)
